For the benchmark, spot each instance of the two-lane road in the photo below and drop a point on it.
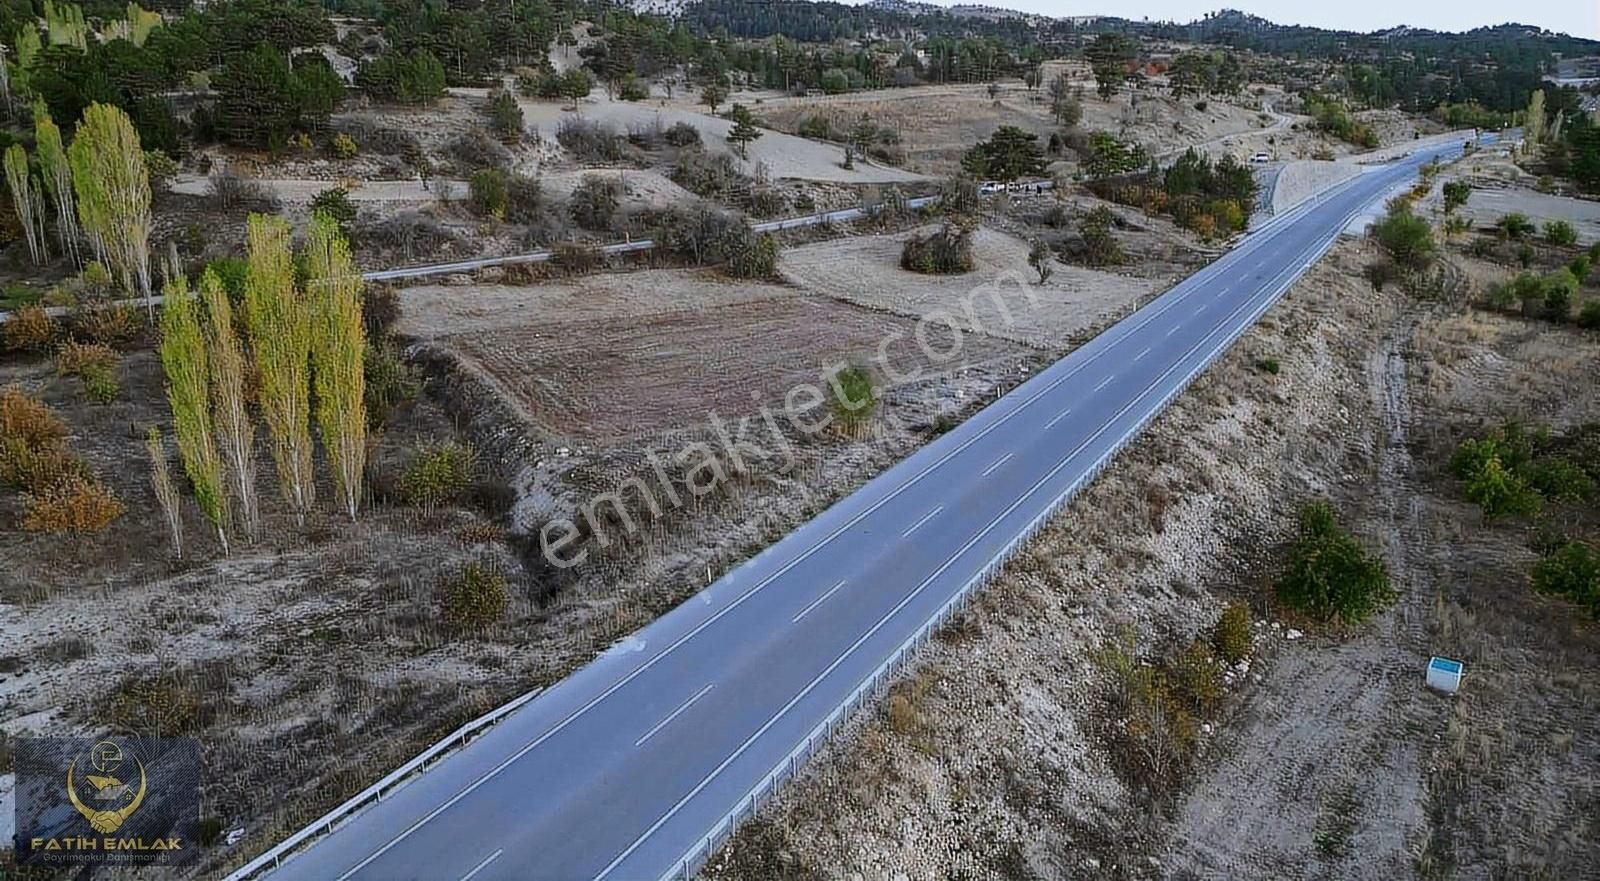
(622, 770)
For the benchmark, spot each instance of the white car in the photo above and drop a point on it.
(990, 187)
(1261, 157)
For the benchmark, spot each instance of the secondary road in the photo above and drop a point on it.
(621, 770)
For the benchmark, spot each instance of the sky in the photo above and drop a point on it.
(1577, 17)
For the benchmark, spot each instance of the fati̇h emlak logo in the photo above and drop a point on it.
(115, 801)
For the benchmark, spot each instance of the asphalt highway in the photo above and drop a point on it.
(621, 770)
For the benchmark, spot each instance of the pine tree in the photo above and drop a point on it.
(236, 434)
(1533, 126)
(56, 173)
(183, 357)
(113, 192)
(23, 193)
(280, 337)
(744, 129)
(337, 350)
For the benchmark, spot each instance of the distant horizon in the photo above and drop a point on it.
(1570, 17)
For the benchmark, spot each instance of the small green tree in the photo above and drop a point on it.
(744, 129)
(486, 193)
(713, 95)
(183, 357)
(1501, 492)
(1008, 154)
(1560, 233)
(853, 398)
(505, 117)
(1040, 258)
(1407, 238)
(1330, 575)
(1515, 225)
(1456, 193)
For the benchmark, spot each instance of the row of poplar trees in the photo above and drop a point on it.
(301, 355)
(99, 188)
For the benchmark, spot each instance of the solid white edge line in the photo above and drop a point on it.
(917, 525)
(480, 867)
(675, 714)
(817, 602)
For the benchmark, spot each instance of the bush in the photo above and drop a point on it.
(108, 323)
(474, 149)
(1407, 238)
(1560, 233)
(1560, 480)
(524, 199)
(28, 420)
(335, 203)
(93, 363)
(1515, 225)
(1572, 570)
(1231, 638)
(595, 201)
(1589, 315)
(232, 190)
(1329, 574)
(947, 251)
(751, 255)
(711, 175)
(1381, 273)
(682, 134)
(36, 468)
(390, 382)
(475, 600)
(1269, 365)
(1500, 491)
(486, 193)
(589, 141)
(73, 504)
(438, 474)
(505, 117)
(853, 397)
(343, 146)
(30, 329)
(1098, 246)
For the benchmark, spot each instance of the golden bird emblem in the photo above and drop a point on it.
(106, 821)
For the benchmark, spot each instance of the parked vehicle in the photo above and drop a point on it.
(1261, 156)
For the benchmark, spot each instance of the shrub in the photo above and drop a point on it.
(1515, 225)
(335, 203)
(524, 199)
(474, 600)
(475, 149)
(1560, 480)
(711, 175)
(682, 134)
(486, 193)
(505, 117)
(390, 382)
(37, 468)
(111, 324)
(751, 255)
(1560, 233)
(73, 504)
(853, 397)
(1381, 272)
(1330, 575)
(1231, 637)
(28, 420)
(595, 201)
(93, 363)
(1579, 266)
(343, 146)
(947, 251)
(1589, 315)
(438, 474)
(1500, 491)
(1099, 247)
(575, 259)
(1407, 238)
(1571, 570)
(231, 190)
(589, 141)
(30, 329)
(1269, 365)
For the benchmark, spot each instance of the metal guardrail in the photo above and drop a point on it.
(275, 855)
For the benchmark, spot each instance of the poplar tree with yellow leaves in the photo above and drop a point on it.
(183, 357)
(337, 349)
(113, 194)
(279, 319)
(236, 433)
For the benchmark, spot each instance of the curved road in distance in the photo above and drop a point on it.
(620, 771)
